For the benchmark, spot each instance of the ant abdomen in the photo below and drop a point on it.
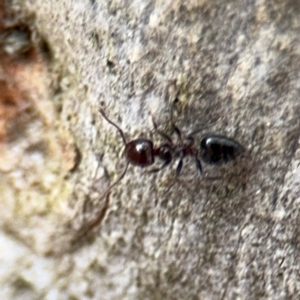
(216, 149)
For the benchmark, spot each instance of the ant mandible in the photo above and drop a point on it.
(214, 149)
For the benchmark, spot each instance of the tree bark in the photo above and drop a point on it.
(228, 67)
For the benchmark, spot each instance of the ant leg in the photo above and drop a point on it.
(202, 128)
(191, 139)
(161, 133)
(200, 171)
(178, 133)
(198, 166)
(101, 111)
(195, 132)
(164, 165)
(179, 167)
(166, 136)
(174, 127)
(178, 170)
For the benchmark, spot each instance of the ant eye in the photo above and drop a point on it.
(139, 152)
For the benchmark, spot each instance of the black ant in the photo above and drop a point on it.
(214, 149)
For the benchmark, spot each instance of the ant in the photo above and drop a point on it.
(214, 149)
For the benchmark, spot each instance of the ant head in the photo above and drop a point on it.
(139, 152)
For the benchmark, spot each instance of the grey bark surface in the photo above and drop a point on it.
(230, 67)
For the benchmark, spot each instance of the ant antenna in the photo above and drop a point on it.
(125, 143)
(174, 127)
(114, 124)
(101, 215)
(116, 182)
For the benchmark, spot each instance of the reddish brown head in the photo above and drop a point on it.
(139, 152)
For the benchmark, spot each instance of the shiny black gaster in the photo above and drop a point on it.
(216, 149)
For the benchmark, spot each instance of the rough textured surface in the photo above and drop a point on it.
(232, 67)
